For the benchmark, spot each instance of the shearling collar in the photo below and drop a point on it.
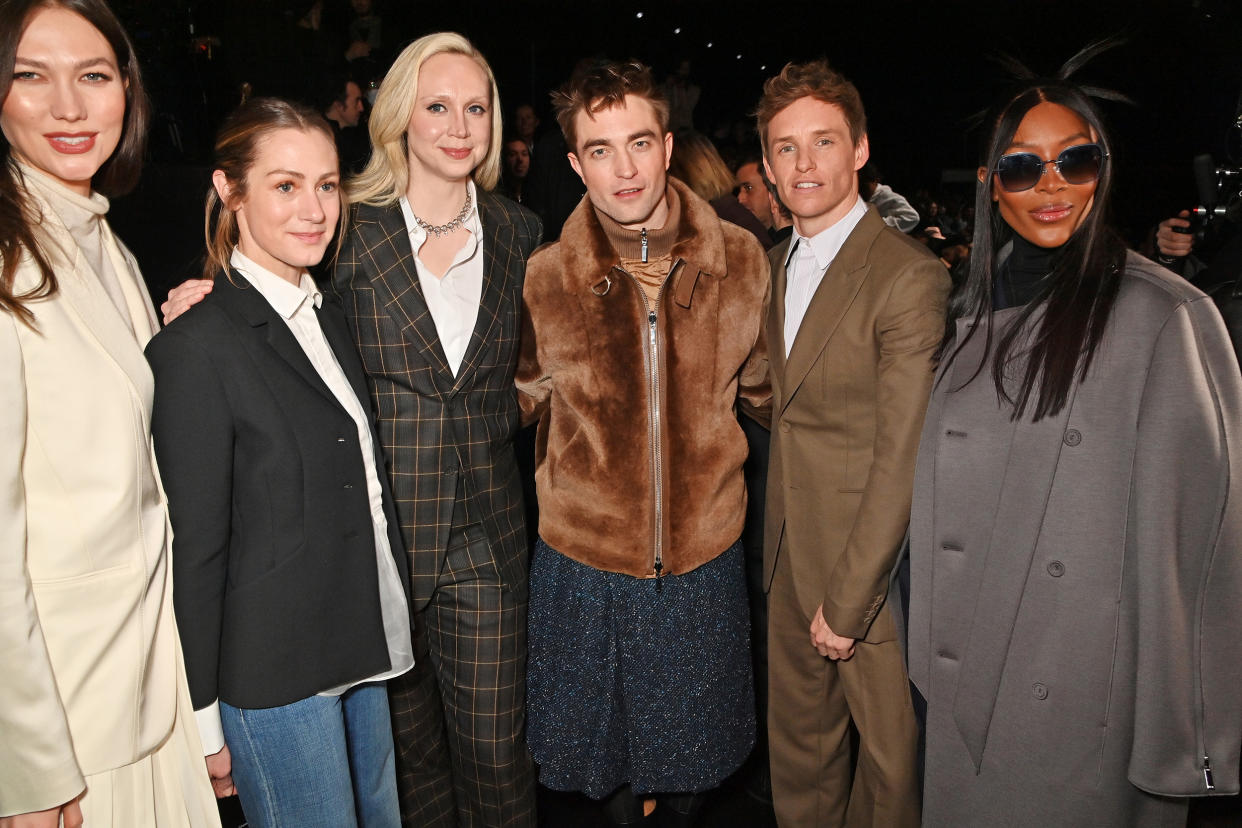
(587, 255)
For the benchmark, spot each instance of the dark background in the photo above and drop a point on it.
(925, 71)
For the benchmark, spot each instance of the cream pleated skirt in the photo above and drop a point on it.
(168, 789)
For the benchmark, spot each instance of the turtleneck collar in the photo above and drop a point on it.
(629, 243)
(75, 210)
(1021, 272)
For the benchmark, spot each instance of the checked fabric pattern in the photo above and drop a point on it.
(441, 433)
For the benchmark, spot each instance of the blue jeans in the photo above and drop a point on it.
(322, 761)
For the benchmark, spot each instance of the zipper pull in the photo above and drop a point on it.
(1207, 774)
(659, 570)
(644, 244)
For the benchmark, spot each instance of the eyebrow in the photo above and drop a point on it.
(301, 176)
(80, 65)
(1065, 140)
(817, 133)
(604, 142)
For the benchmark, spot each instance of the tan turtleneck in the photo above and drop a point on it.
(628, 244)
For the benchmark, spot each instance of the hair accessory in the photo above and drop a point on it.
(444, 229)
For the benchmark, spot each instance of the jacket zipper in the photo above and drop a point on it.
(654, 417)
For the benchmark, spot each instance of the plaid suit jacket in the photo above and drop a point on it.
(442, 435)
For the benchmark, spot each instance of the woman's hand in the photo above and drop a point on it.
(185, 296)
(71, 811)
(220, 769)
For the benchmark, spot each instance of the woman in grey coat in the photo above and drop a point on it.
(1075, 542)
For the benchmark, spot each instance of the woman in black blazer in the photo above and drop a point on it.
(289, 577)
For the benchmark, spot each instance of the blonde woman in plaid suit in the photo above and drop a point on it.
(430, 277)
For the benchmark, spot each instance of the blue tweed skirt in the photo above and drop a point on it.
(630, 684)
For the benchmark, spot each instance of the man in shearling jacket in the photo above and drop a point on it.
(643, 326)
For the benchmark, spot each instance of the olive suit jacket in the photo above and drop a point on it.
(847, 410)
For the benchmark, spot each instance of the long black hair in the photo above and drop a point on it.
(1074, 303)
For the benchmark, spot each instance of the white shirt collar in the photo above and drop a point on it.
(827, 243)
(285, 298)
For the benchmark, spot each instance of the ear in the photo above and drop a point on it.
(576, 164)
(862, 151)
(223, 189)
(767, 168)
(982, 175)
(668, 149)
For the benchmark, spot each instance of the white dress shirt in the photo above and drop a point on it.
(806, 264)
(453, 298)
(296, 304)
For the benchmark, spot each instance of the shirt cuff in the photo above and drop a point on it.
(210, 730)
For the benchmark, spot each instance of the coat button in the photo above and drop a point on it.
(340, 439)
(785, 427)
(1056, 569)
(1039, 691)
(349, 485)
(1073, 437)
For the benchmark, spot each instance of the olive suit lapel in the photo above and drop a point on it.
(832, 300)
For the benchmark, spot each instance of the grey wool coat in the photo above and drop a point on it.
(1076, 607)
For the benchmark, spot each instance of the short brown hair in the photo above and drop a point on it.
(603, 85)
(815, 79)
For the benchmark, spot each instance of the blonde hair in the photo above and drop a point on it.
(387, 174)
(696, 162)
(237, 147)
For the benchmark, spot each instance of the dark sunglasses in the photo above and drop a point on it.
(1079, 164)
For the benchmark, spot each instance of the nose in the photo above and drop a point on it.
(458, 127)
(625, 168)
(310, 207)
(1051, 181)
(67, 101)
(804, 162)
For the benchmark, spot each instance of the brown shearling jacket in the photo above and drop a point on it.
(639, 453)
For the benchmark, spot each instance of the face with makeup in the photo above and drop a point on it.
(450, 129)
(65, 110)
(1048, 213)
(289, 207)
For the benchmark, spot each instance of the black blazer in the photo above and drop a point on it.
(444, 435)
(275, 583)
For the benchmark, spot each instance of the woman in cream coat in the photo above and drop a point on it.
(92, 689)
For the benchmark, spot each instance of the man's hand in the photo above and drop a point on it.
(826, 642)
(71, 811)
(220, 769)
(185, 296)
(1173, 243)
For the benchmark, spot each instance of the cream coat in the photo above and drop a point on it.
(88, 647)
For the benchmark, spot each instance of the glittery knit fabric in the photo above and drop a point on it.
(627, 684)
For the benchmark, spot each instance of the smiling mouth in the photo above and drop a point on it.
(1051, 212)
(806, 185)
(632, 191)
(72, 143)
(458, 153)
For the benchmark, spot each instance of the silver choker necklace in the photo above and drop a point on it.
(444, 229)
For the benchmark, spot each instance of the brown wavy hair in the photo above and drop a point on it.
(603, 85)
(817, 80)
(118, 175)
